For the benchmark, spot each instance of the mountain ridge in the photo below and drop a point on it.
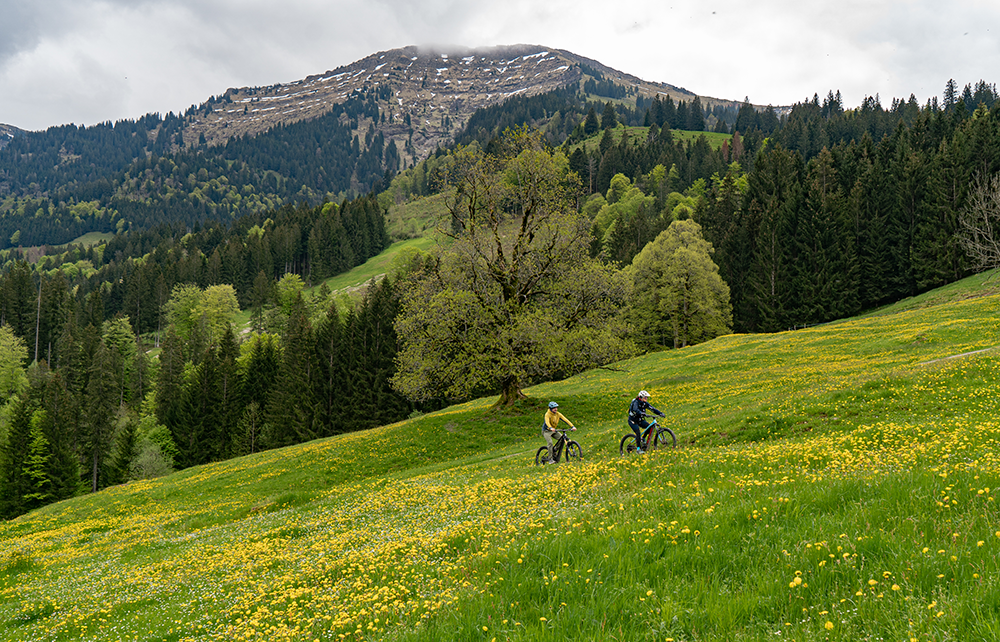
(7, 133)
(453, 82)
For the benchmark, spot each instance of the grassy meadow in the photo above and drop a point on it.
(832, 483)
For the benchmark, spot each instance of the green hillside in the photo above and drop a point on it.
(833, 483)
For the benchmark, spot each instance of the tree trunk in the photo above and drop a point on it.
(510, 393)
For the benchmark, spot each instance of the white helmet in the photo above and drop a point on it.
(553, 404)
(643, 393)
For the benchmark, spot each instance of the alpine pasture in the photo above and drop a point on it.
(831, 483)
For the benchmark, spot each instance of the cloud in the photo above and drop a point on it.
(88, 61)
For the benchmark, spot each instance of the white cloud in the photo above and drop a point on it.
(94, 60)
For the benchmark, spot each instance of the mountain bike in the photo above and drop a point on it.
(563, 445)
(655, 434)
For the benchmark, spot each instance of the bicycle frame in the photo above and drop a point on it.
(647, 433)
(557, 447)
(649, 438)
(562, 448)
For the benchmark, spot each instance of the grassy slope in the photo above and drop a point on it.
(832, 483)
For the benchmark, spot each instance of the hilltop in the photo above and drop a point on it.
(7, 133)
(439, 88)
(831, 483)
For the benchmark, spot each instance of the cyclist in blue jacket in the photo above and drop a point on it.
(637, 416)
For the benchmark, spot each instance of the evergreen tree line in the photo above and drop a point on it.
(683, 115)
(810, 126)
(633, 157)
(103, 414)
(803, 240)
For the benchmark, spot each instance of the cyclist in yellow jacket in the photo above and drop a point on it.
(552, 419)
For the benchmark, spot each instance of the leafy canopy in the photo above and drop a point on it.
(515, 298)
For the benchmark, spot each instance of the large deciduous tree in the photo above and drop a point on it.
(501, 306)
(679, 296)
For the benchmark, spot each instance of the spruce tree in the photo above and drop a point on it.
(36, 467)
(590, 124)
(124, 451)
(20, 300)
(100, 407)
(609, 119)
(199, 433)
(291, 404)
(823, 251)
(773, 198)
(15, 451)
(334, 382)
(170, 384)
(695, 116)
(60, 425)
(229, 392)
(52, 316)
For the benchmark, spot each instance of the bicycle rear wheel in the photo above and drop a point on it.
(573, 451)
(665, 438)
(542, 456)
(627, 445)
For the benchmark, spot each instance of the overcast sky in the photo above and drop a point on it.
(88, 61)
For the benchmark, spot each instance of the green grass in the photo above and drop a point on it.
(416, 218)
(355, 279)
(832, 483)
(93, 238)
(377, 265)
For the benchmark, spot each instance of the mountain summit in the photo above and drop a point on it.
(425, 93)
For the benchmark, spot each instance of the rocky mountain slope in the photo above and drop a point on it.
(426, 94)
(7, 132)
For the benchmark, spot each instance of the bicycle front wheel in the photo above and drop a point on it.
(665, 438)
(628, 445)
(573, 451)
(541, 456)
